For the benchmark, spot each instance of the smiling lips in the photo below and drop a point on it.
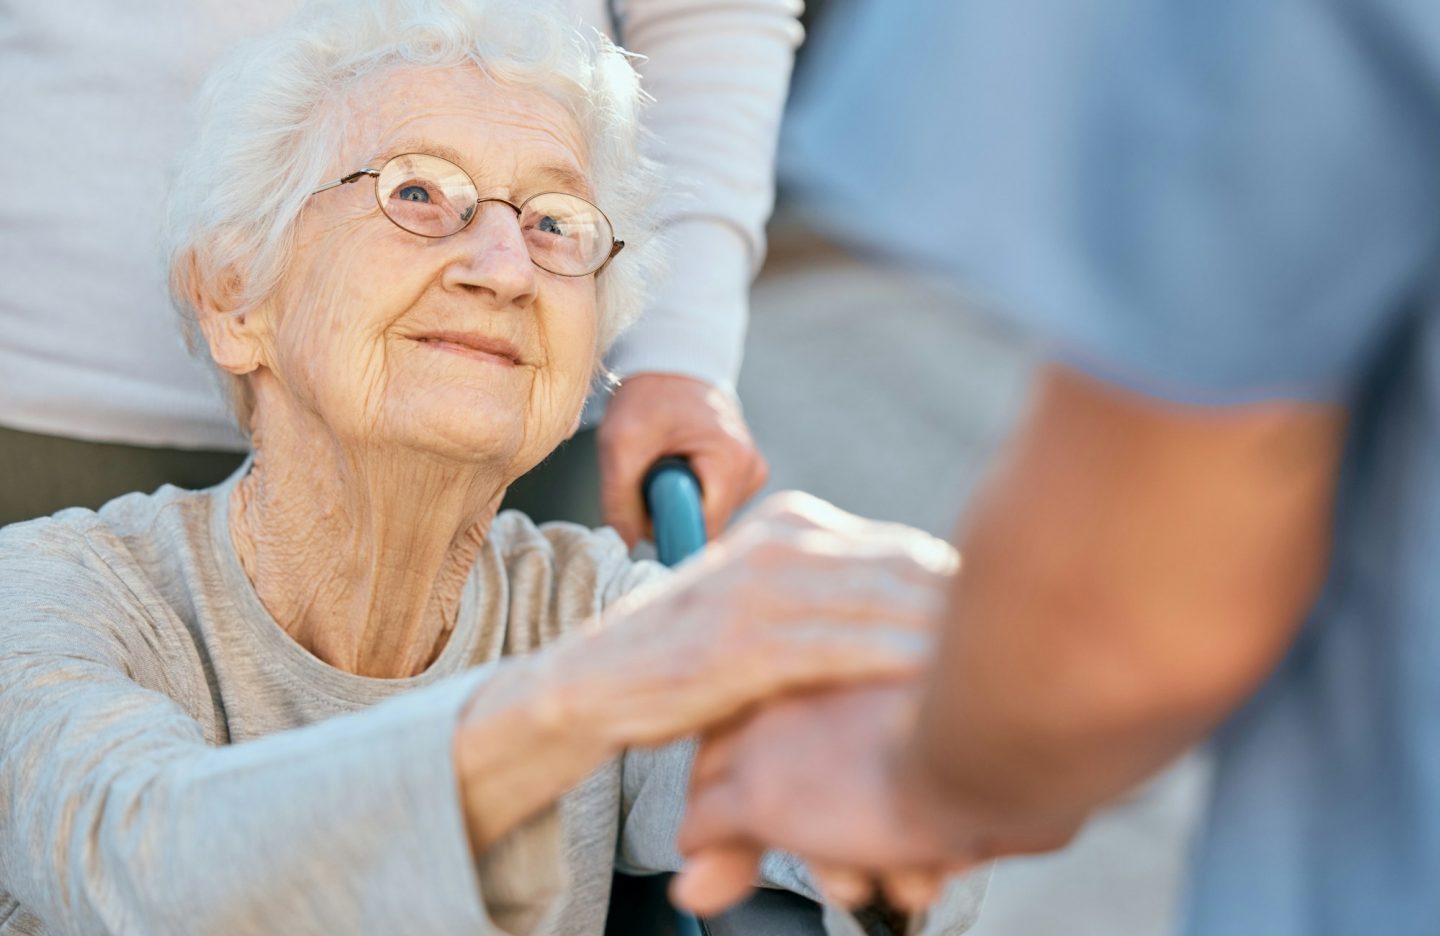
(476, 347)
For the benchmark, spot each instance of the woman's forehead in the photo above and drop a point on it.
(498, 132)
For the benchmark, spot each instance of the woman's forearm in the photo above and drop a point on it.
(119, 816)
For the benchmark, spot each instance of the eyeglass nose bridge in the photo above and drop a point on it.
(615, 245)
(475, 210)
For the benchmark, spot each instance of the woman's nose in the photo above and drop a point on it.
(494, 257)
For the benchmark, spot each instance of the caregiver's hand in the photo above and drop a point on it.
(654, 415)
(814, 775)
(799, 596)
(824, 776)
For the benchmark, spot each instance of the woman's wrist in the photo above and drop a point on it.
(584, 686)
(517, 750)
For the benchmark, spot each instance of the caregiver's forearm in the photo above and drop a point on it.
(1132, 572)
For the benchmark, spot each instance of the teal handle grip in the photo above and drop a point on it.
(673, 497)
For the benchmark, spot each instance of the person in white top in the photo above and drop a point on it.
(98, 99)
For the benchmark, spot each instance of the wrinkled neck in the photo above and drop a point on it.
(359, 553)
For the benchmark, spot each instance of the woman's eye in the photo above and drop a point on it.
(550, 226)
(412, 193)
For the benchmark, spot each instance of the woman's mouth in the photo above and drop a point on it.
(476, 347)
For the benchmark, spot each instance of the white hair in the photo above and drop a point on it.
(274, 113)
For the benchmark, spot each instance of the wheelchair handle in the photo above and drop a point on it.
(673, 497)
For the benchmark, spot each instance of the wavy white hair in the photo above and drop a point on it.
(274, 112)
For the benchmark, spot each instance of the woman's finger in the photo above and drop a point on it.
(712, 760)
(826, 654)
(716, 878)
(845, 887)
(912, 889)
(829, 657)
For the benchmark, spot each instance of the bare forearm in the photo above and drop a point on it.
(1042, 719)
(1129, 580)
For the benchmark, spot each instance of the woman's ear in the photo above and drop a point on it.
(232, 334)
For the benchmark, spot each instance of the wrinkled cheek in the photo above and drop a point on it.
(570, 382)
(341, 375)
(569, 330)
(371, 378)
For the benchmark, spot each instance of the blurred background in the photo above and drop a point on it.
(888, 391)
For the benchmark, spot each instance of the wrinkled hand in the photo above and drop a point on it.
(800, 595)
(654, 415)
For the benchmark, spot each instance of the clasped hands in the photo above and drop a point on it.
(834, 775)
(795, 647)
(820, 773)
(822, 768)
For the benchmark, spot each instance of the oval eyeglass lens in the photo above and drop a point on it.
(426, 195)
(565, 233)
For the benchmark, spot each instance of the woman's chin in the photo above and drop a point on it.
(496, 423)
(473, 429)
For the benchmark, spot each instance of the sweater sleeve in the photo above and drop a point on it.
(117, 815)
(719, 71)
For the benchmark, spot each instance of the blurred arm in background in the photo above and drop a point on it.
(1132, 571)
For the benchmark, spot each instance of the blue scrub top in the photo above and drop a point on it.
(1224, 201)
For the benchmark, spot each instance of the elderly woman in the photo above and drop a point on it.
(336, 693)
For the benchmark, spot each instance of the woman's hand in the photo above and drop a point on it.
(799, 596)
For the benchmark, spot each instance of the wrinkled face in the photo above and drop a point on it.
(457, 345)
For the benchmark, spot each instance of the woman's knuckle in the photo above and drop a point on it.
(797, 509)
(773, 508)
(766, 550)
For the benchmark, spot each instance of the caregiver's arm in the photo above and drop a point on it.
(1133, 570)
(718, 71)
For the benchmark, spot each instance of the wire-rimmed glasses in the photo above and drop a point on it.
(432, 197)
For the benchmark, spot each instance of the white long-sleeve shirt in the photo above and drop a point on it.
(95, 102)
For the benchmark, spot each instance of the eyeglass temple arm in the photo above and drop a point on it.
(619, 246)
(343, 180)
